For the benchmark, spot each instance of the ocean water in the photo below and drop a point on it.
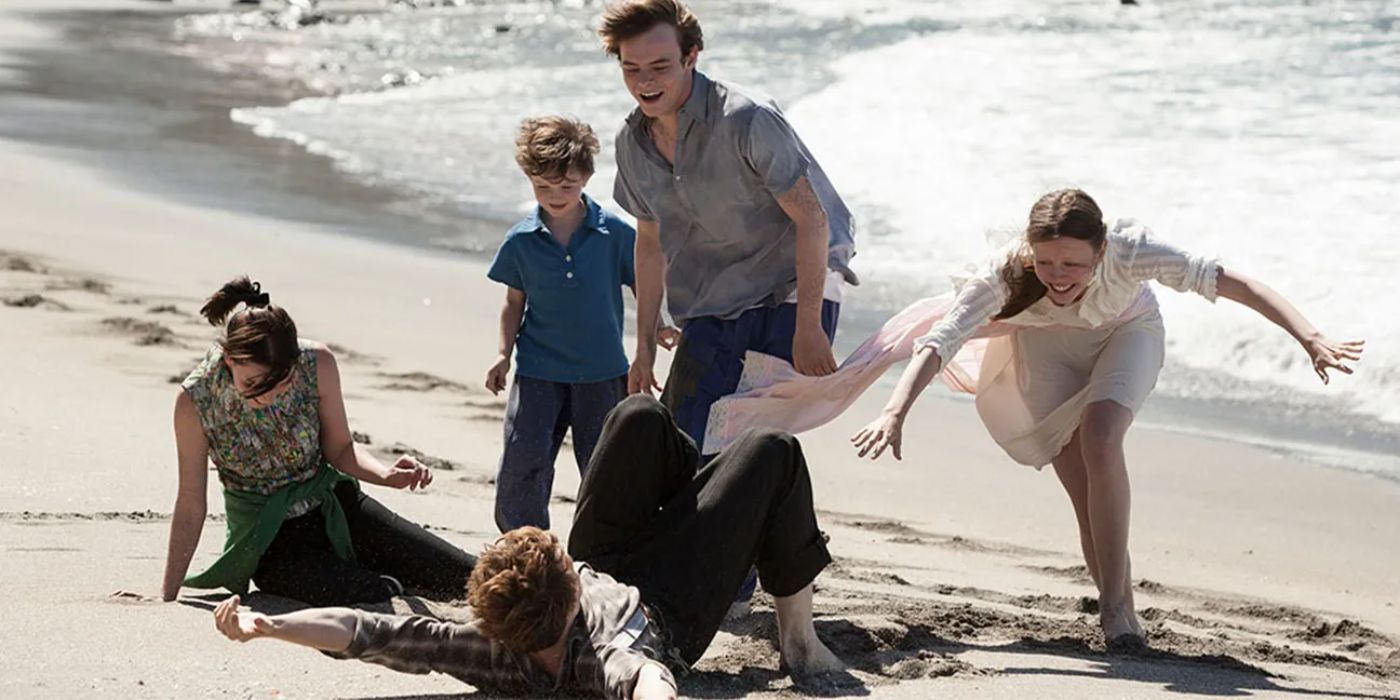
(1260, 131)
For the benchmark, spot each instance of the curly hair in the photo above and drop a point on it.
(522, 590)
(550, 147)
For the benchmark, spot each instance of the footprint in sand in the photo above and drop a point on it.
(420, 382)
(435, 463)
(11, 262)
(83, 284)
(36, 301)
(142, 333)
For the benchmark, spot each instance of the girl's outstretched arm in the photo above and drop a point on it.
(887, 431)
(1325, 353)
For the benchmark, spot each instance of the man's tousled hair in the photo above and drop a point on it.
(629, 18)
(522, 589)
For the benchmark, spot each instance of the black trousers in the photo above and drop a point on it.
(684, 534)
(301, 564)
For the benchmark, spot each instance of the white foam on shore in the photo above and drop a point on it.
(1259, 133)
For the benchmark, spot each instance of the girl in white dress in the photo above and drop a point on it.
(1083, 352)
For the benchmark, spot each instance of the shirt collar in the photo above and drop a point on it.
(593, 219)
(697, 106)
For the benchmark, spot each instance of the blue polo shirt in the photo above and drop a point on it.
(572, 331)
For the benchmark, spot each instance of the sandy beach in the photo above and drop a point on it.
(957, 572)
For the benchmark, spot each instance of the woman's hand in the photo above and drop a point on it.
(885, 432)
(1326, 354)
(241, 627)
(408, 473)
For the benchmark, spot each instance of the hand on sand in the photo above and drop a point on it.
(885, 432)
(1326, 354)
(240, 627)
(640, 377)
(811, 351)
(407, 473)
(668, 337)
(496, 376)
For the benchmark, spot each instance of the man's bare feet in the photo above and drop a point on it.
(809, 656)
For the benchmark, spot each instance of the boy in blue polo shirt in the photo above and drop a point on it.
(564, 267)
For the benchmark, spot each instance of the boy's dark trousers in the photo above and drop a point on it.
(685, 535)
(538, 413)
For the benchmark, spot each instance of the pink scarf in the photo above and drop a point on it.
(772, 394)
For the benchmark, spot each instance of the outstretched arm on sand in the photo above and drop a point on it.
(327, 629)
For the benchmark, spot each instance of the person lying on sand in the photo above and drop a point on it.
(659, 547)
(266, 407)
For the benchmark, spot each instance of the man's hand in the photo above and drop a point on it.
(640, 377)
(496, 376)
(652, 685)
(811, 351)
(407, 473)
(668, 337)
(240, 627)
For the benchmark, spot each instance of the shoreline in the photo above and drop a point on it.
(278, 177)
(956, 574)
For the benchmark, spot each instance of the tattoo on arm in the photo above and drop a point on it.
(801, 205)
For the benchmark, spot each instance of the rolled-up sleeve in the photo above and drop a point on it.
(1173, 267)
(974, 306)
(774, 152)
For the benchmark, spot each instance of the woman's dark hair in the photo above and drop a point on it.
(260, 333)
(1060, 214)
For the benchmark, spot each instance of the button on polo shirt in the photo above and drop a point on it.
(572, 330)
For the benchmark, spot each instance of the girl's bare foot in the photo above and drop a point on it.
(1120, 625)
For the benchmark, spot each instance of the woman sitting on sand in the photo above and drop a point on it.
(266, 407)
(1081, 345)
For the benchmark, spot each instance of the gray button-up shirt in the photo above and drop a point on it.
(729, 246)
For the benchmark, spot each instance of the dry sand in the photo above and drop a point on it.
(957, 572)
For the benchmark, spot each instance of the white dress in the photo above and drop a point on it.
(1035, 381)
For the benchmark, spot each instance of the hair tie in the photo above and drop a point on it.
(257, 298)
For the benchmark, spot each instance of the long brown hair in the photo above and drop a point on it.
(260, 333)
(1066, 213)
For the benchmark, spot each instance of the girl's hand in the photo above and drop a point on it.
(241, 627)
(887, 431)
(1326, 354)
(408, 473)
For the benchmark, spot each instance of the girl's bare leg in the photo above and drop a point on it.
(1101, 433)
